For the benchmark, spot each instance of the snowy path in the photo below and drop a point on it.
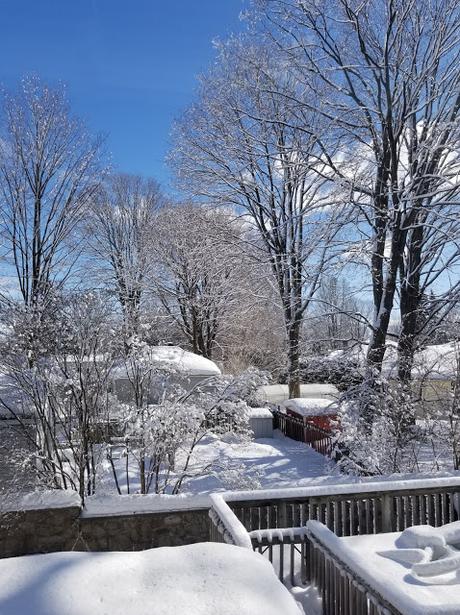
(269, 462)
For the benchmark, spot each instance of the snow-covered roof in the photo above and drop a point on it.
(439, 361)
(193, 364)
(277, 393)
(311, 407)
(187, 362)
(260, 413)
(435, 362)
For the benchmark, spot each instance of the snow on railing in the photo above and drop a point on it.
(343, 485)
(272, 536)
(286, 550)
(226, 527)
(353, 509)
(273, 521)
(39, 500)
(338, 581)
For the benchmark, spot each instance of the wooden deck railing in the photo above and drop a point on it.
(287, 552)
(275, 521)
(353, 509)
(304, 431)
(342, 590)
(225, 526)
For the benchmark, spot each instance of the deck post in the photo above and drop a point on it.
(387, 512)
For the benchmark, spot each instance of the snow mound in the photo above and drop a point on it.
(439, 544)
(200, 579)
(421, 536)
(311, 407)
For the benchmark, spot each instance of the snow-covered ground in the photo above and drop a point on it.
(258, 464)
(200, 579)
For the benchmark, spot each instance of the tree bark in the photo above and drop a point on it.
(294, 360)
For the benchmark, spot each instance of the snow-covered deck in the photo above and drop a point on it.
(197, 579)
(274, 521)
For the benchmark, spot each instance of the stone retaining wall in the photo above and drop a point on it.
(38, 531)
(64, 529)
(143, 531)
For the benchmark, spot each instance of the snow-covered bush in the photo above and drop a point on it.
(36, 330)
(377, 432)
(60, 400)
(161, 437)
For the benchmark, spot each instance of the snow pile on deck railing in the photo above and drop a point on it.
(228, 523)
(368, 558)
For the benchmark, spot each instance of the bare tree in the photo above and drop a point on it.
(49, 170)
(338, 318)
(237, 146)
(389, 74)
(199, 272)
(120, 228)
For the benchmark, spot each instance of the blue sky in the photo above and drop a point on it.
(130, 65)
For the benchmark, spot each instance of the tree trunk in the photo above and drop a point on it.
(376, 349)
(406, 347)
(294, 360)
(384, 307)
(410, 305)
(142, 473)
